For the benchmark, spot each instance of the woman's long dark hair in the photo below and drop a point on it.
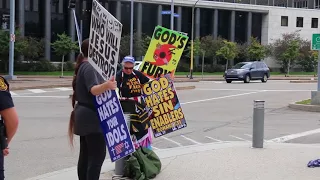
(80, 58)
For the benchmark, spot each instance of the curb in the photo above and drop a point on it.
(185, 87)
(303, 81)
(303, 107)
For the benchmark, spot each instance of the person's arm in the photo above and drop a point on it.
(143, 79)
(11, 122)
(9, 114)
(93, 84)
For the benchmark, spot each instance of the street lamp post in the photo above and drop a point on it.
(172, 15)
(131, 29)
(192, 29)
(11, 43)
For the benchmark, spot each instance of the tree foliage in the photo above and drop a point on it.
(64, 45)
(255, 50)
(286, 51)
(228, 51)
(140, 46)
(19, 46)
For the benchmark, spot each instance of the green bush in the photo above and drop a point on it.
(35, 66)
(67, 66)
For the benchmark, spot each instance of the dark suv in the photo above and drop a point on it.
(246, 71)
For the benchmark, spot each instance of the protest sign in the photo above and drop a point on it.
(104, 47)
(114, 126)
(104, 41)
(164, 52)
(163, 104)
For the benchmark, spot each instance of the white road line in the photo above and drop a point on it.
(266, 90)
(36, 90)
(213, 139)
(239, 138)
(295, 136)
(172, 141)
(191, 140)
(249, 135)
(13, 93)
(64, 89)
(59, 97)
(221, 97)
(155, 148)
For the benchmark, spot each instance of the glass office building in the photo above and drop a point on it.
(47, 18)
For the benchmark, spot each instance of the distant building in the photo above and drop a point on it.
(235, 20)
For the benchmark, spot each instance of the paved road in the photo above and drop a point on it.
(215, 112)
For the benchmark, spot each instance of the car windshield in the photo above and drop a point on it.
(242, 66)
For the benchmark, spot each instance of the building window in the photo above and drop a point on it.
(284, 20)
(314, 23)
(35, 5)
(299, 22)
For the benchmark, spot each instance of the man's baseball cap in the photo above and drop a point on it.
(128, 59)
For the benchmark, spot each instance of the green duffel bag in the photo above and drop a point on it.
(143, 164)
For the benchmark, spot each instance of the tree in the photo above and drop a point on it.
(196, 48)
(63, 46)
(33, 49)
(140, 46)
(291, 53)
(307, 58)
(255, 50)
(19, 45)
(280, 50)
(210, 45)
(228, 51)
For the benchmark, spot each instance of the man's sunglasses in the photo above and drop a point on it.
(128, 67)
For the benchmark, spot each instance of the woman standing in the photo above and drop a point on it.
(130, 83)
(84, 120)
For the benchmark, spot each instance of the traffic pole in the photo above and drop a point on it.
(11, 42)
(258, 124)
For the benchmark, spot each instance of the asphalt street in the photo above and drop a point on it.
(215, 112)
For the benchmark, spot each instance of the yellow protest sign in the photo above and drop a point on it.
(164, 53)
(162, 101)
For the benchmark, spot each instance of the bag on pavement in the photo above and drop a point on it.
(143, 164)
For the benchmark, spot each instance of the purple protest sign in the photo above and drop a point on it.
(114, 125)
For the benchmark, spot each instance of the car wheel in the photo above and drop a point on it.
(228, 81)
(265, 78)
(246, 78)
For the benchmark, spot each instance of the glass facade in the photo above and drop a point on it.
(35, 18)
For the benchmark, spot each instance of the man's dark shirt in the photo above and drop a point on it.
(129, 85)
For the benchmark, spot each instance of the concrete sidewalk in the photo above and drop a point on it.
(224, 161)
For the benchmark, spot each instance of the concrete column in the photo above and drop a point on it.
(311, 4)
(21, 17)
(197, 35)
(47, 29)
(71, 32)
(159, 15)
(118, 10)
(290, 3)
(139, 21)
(232, 26)
(249, 26)
(232, 30)
(179, 19)
(215, 23)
